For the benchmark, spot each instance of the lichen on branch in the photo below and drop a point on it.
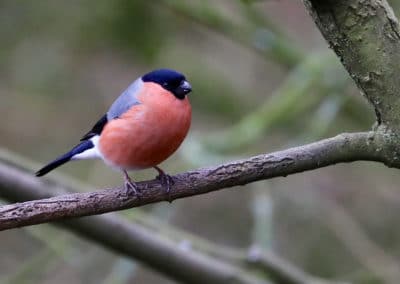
(366, 37)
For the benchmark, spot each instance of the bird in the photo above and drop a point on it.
(143, 127)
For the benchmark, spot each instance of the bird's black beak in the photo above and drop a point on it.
(183, 89)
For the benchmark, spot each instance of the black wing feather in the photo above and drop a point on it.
(97, 128)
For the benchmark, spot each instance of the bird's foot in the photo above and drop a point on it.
(166, 182)
(131, 188)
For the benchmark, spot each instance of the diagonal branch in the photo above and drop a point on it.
(339, 149)
(153, 244)
(275, 45)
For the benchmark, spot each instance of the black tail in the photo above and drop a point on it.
(85, 145)
(56, 163)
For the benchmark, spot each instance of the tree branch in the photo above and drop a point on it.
(122, 236)
(366, 37)
(148, 243)
(339, 149)
(301, 91)
(278, 47)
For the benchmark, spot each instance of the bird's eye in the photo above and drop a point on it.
(175, 84)
(171, 85)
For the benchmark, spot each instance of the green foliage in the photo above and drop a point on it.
(137, 26)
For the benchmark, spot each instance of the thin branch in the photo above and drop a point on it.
(380, 263)
(120, 235)
(302, 90)
(153, 237)
(282, 271)
(265, 38)
(178, 262)
(342, 148)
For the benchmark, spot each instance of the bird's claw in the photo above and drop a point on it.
(131, 189)
(166, 182)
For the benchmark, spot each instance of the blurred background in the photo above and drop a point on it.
(263, 79)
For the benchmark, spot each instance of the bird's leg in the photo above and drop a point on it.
(130, 186)
(166, 181)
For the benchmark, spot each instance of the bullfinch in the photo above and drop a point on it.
(142, 128)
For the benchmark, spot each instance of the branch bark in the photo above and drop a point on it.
(197, 263)
(342, 148)
(365, 35)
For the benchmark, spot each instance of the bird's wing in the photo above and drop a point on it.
(123, 103)
(97, 128)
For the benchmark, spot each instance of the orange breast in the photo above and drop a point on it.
(148, 133)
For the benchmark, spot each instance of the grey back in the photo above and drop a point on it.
(125, 101)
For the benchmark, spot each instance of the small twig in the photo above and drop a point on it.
(265, 39)
(357, 242)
